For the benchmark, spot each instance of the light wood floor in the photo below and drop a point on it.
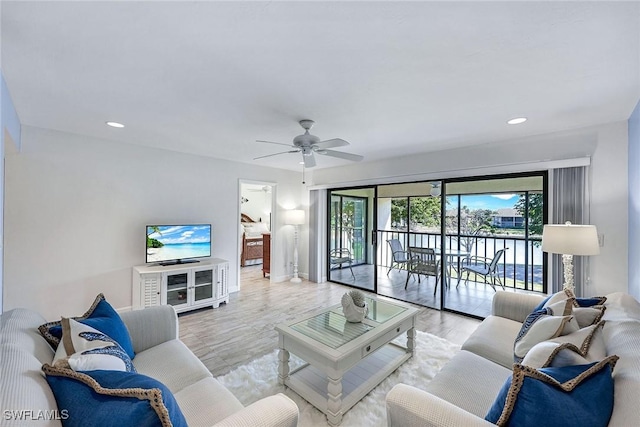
(242, 330)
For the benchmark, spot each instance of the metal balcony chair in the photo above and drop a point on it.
(341, 256)
(399, 256)
(483, 266)
(423, 262)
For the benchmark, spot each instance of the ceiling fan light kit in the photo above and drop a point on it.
(435, 189)
(309, 145)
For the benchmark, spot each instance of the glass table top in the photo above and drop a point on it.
(332, 329)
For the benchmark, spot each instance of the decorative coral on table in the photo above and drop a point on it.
(354, 306)
(357, 297)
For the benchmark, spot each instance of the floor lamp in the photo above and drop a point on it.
(295, 217)
(569, 240)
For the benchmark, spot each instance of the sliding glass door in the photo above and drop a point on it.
(409, 242)
(350, 221)
(447, 244)
(495, 225)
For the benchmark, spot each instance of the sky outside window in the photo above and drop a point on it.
(489, 201)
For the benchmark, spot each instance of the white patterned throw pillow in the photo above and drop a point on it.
(84, 348)
(542, 325)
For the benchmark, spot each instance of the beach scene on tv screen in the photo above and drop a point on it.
(170, 242)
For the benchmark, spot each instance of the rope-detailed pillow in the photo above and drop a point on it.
(586, 311)
(568, 294)
(577, 395)
(581, 347)
(101, 316)
(540, 326)
(115, 398)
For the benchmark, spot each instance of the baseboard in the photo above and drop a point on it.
(288, 277)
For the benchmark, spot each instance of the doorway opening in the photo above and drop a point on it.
(256, 203)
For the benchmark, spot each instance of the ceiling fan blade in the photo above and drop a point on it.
(277, 143)
(331, 143)
(264, 189)
(276, 154)
(309, 161)
(341, 155)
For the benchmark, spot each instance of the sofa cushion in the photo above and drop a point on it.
(100, 316)
(457, 382)
(84, 348)
(493, 339)
(581, 347)
(575, 395)
(117, 398)
(206, 402)
(172, 363)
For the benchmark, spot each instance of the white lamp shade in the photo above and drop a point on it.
(294, 217)
(570, 239)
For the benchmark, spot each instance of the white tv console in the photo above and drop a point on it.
(187, 286)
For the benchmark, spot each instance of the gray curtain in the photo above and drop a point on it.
(317, 235)
(570, 203)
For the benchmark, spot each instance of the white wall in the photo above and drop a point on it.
(483, 159)
(9, 142)
(609, 210)
(76, 208)
(606, 144)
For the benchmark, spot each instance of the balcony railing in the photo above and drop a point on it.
(520, 268)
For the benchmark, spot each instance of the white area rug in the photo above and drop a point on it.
(259, 379)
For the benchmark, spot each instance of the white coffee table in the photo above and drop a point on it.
(344, 361)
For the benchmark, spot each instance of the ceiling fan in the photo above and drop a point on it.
(308, 144)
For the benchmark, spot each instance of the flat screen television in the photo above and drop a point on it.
(176, 244)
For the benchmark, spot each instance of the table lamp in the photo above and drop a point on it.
(569, 240)
(295, 217)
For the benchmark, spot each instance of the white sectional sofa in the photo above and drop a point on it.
(159, 354)
(464, 390)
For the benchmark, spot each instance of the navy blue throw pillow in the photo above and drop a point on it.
(590, 302)
(112, 398)
(542, 303)
(580, 395)
(101, 316)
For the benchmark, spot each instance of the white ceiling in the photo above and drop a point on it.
(392, 78)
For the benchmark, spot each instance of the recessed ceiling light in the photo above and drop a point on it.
(517, 121)
(115, 124)
(301, 163)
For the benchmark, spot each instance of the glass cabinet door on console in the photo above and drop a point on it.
(203, 285)
(177, 289)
